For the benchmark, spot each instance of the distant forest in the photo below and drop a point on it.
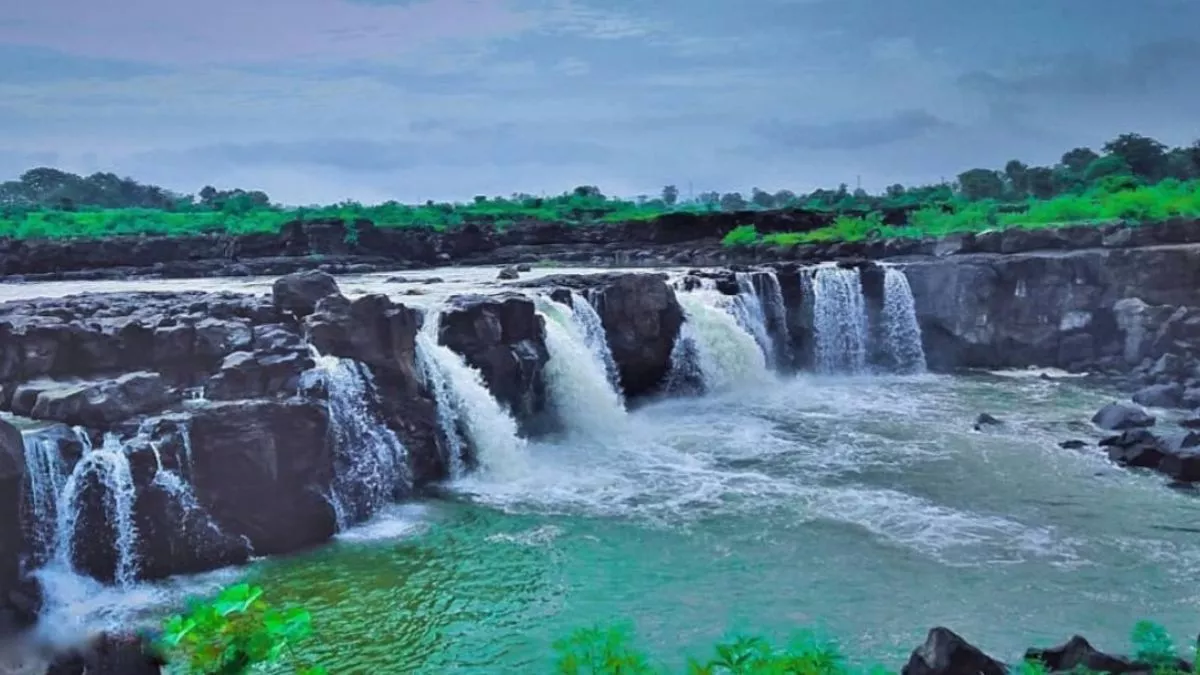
(47, 202)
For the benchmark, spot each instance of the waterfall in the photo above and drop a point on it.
(770, 296)
(109, 465)
(839, 320)
(466, 409)
(372, 463)
(47, 477)
(712, 347)
(578, 384)
(588, 320)
(901, 332)
(747, 308)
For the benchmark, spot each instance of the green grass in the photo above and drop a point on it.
(1108, 203)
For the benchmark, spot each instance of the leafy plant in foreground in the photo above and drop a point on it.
(235, 632)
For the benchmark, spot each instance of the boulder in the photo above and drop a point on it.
(19, 597)
(1077, 654)
(300, 292)
(642, 318)
(372, 330)
(986, 420)
(1073, 444)
(1160, 396)
(504, 338)
(100, 403)
(1121, 416)
(508, 274)
(945, 653)
(263, 470)
(255, 375)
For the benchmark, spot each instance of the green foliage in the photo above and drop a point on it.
(742, 235)
(600, 651)
(234, 632)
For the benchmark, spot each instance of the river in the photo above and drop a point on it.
(866, 507)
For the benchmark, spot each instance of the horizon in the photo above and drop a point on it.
(321, 101)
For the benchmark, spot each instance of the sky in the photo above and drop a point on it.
(316, 101)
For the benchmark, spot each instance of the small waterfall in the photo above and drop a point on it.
(770, 296)
(579, 386)
(47, 477)
(109, 466)
(747, 308)
(713, 345)
(592, 326)
(467, 410)
(372, 463)
(839, 321)
(901, 332)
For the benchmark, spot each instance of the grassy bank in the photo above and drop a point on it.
(1099, 205)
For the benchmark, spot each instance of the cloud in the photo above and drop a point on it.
(855, 134)
(232, 31)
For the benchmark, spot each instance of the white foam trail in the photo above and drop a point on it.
(726, 354)
(467, 404)
(372, 462)
(592, 326)
(839, 320)
(579, 389)
(901, 332)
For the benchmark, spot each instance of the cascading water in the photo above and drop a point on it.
(901, 332)
(109, 466)
(712, 347)
(839, 321)
(588, 320)
(372, 463)
(47, 476)
(579, 388)
(747, 308)
(467, 411)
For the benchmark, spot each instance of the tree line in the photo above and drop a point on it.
(1128, 160)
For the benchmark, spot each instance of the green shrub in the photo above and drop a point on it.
(233, 633)
(742, 235)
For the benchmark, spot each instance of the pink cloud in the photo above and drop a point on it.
(240, 31)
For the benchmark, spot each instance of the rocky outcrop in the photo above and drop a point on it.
(505, 339)
(944, 652)
(19, 599)
(641, 318)
(299, 293)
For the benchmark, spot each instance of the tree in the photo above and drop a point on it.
(978, 184)
(1017, 173)
(709, 199)
(784, 198)
(762, 199)
(1145, 156)
(1109, 165)
(1077, 160)
(670, 195)
(733, 201)
(1040, 182)
(894, 191)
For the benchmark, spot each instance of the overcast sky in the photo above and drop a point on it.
(322, 100)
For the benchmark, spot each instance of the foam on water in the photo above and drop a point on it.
(580, 391)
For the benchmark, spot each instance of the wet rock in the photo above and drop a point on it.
(1174, 453)
(1078, 654)
(254, 375)
(524, 267)
(1160, 396)
(19, 596)
(1073, 444)
(508, 274)
(371, 329)
(945, 653)
(1120, 416)
(110, 654)
(99, 403)
(1191, 421)
(262, 469)
(986, 420)
(504, 337)
(299, 293)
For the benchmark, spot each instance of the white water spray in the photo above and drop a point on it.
(588, 320)
(839, 321)
(372, 463)
(747, 307)
(712, 342)
(579, 388)
(465, 405)
(109, 465)
(901, 332)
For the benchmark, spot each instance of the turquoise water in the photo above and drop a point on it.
(865, 508)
